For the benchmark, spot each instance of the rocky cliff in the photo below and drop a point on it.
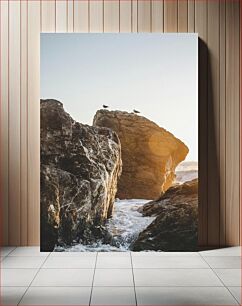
(80, 166)
(150, 154)
(175, 226)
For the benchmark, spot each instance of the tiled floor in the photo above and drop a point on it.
(29, 277)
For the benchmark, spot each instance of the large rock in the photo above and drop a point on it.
(175, 226)
(80, 166)
(150, 154)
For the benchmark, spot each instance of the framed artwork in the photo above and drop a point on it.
(119, 142)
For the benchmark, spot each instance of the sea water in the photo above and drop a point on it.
(127, 222)
(124, 227)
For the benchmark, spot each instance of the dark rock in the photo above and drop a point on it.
(175, 226)
(80, 166)
(150, 154)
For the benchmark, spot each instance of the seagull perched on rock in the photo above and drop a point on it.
(136, 111)
(105, 106)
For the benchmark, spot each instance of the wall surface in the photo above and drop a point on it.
(217, 23)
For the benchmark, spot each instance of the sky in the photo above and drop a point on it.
(156, 74)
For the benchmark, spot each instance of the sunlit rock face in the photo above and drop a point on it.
(150, 154)
(80, 167)
(175, 227)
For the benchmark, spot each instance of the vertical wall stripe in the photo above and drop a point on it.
(201, 28)
(171, 15)
(4, 122)
(48, 16)
(61, 16)
(222, 120)
(14, 123)
(81, 13)
(183, 16)
(34, 122)
(23, 122)
(111, 16)
(191, 16)
(70, 16)
(213, 124)
(232, 121)
(144, 15)
(134, 20)
(125, 16)
(240, 130)
(157, 16)
(96, 16)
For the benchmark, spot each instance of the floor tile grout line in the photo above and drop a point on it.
(221, 280)
(211, 256)
(14, 248)
(117, 254)
(109, 286)
(25, 268)
(217, 269)
(33, 279)
(105, 286)
(239, 302)
(3, 258)
(90, 298)
(135, 295)
(28, 256)
(91, 268)
(220, 256)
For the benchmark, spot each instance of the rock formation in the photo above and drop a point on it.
(80, 166)
(150, 154)
(175, 226)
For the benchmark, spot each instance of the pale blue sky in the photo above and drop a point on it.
(154, 73)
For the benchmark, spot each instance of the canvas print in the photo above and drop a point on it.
(119, 142)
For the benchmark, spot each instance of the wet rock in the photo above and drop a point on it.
(150, 154)
(175, 226)
(80, 166)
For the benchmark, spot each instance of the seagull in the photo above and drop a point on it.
(136, 111)
(105, 106)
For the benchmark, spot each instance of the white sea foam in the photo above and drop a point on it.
(127, 222)
(124, 227)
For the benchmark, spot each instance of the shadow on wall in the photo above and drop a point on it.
(209, 176)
